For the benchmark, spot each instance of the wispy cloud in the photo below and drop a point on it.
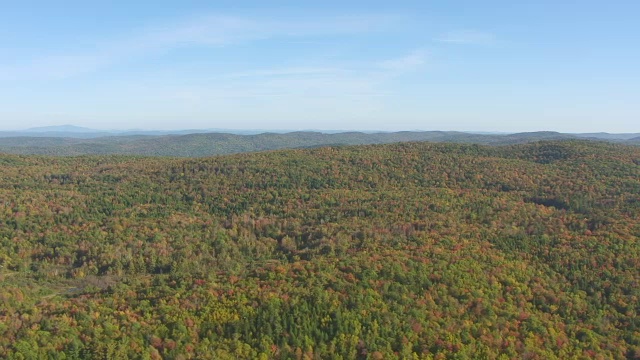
(405, 63)
(342, 84)
(56, 67)
(211, 30)
(225, 29)
(285, 72)
(468, 37)
(358, 81)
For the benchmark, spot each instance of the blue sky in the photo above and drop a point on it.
(570, 66)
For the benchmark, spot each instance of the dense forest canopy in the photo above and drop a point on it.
(412, 250)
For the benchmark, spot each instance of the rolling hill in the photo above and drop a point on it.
(208, 144)
(192, 143)
(406, 250)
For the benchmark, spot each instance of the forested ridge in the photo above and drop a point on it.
(209, 144)
(410, 250)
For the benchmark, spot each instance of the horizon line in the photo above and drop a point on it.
(87, 130)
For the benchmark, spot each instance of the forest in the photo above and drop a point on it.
(410, 250)
(217, 143)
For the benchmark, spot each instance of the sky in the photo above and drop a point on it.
(512, 66)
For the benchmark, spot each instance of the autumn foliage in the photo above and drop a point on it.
(414, 250)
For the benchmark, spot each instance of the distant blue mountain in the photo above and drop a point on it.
(209, 144)
(71, 139)
(608, 136)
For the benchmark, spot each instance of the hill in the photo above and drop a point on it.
(208, 144)
(81, 133)
(607, 136)
(411, 250)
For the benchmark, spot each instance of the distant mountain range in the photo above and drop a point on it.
(72, 131)
(607, 136)
(70, 140)
(77, 132)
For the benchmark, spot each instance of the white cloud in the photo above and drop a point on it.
(360, 79)
(293, 83)
(212, 30)
(356, 81)
(405, 63)
(58, 66)
(468, 37)
(285, 72)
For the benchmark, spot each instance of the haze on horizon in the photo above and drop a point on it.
(361, 65)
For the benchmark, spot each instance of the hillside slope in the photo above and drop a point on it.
(413, 250)
(200, 145)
